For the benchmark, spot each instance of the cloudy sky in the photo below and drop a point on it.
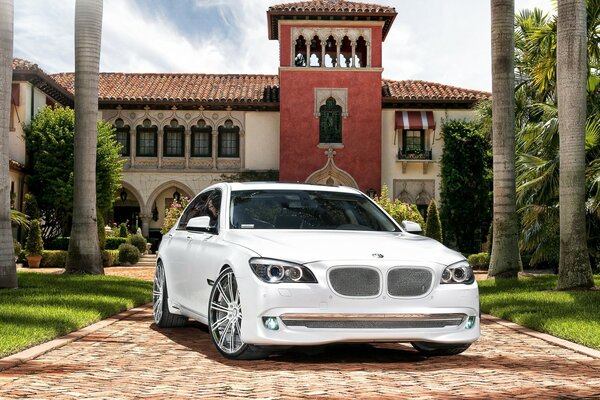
(446, 41)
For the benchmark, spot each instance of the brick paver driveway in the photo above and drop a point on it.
(132, 359)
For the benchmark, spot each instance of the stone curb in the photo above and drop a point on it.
(544, 336)
(36, 351)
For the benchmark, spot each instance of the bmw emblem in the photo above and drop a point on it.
(377, 255)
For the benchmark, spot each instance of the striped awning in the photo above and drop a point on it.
(415, 120)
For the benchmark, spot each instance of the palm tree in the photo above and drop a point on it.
(84, 250)
(572, 67)
(505, 260)
(8, 270)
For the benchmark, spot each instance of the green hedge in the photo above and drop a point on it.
(128, 253)
(110, 258)
(54, 259)
(113, 243)
(479, 261)
(58, 258)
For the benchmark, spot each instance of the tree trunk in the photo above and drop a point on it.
(84, 250)
(571, 53)
(505, 260)
(8, 269)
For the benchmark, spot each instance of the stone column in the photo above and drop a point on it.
(187, 148)
(307, 53)
(368, 55)
(215, 147)
(133, 147)
(145, 224)
(353, 53)
(160, 150)
(323, 44)
(338, 46)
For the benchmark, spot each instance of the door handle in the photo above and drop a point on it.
(188, 238)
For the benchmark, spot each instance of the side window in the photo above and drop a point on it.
(207, 204)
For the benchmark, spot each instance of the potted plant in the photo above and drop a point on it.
(34, 246)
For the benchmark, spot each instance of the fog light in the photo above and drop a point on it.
(271, 323)
(470, 322)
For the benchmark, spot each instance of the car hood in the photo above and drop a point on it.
(311, 246)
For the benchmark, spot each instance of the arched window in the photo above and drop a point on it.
(123, 136)
(146, 145)
(201, 140)
(346, 53)
(330, 52)
(229, 140)
(330, 126)
(315, 52)
(173, 140)
(300, 52)
(360, 57)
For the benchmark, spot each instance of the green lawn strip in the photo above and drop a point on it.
(47, 306)
(533, 302)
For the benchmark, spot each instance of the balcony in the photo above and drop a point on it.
(424, 157)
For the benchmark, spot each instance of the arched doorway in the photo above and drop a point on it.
(127, 209)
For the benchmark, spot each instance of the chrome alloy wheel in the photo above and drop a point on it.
(158, 293)
(225, 314)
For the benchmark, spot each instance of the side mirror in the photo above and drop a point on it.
(412, 227)
(199, 224)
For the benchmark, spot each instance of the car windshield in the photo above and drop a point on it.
(306, 209)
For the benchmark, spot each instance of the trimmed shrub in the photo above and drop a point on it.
(128, 253)
(58, 243)
(54, 259)
(30, 206)
(113, 243)
(479, 261)
(123, 230)
(110, 258)
(138, 241)
(398, 210)
(433, 229)
(34, 245)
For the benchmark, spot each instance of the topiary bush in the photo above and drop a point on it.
(123, 230)
(479, 261)
(398, 210)
(128, 253)
(30, 206)
(138, 241)
(113, 243)
(54, 259)
(34, 245)
(433, 228)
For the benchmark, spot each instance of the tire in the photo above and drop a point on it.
(163, 318)
(435, 349)
(225, 320)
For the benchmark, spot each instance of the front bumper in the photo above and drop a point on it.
(312, 314)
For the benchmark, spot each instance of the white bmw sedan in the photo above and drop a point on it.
(272, 264)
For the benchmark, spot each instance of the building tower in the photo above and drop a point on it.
(330, 90)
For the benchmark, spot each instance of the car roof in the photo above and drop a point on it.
(238, 186)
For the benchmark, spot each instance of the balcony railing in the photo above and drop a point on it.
(414, 155)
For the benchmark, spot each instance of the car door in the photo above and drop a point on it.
(201, 256)
(179, 252)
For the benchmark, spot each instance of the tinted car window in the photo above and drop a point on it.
(206, 204)
(297, 209)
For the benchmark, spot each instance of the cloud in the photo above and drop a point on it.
(436, 40)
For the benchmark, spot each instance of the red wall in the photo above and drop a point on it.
(361, 130)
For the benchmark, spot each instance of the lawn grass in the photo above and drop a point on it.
(533, 302)
(47, 306)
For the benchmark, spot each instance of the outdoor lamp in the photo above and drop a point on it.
(123, 195)
(176, 195)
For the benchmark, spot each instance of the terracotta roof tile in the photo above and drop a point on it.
(24, 65)
(335, 6)
(429, 91)
(181, 87)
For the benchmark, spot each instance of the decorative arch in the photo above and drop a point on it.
(164, 186)
(331, 174)
(135, 192)
(340, 95)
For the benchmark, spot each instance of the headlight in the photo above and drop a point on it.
(461, 272)
(278, 271)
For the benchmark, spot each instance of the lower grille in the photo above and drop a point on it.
(355, 281)
(409, 282)
(373, 321)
